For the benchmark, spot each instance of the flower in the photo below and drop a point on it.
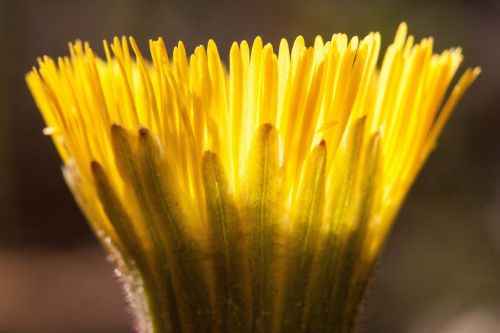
(253, 198)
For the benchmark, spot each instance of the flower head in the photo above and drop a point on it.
(253, 197)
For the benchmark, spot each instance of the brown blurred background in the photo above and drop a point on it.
(441, 268)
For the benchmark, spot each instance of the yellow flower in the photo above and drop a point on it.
(254, 197)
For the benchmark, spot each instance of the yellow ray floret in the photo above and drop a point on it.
(283, 169)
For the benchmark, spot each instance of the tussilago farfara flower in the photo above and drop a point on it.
(253, 197)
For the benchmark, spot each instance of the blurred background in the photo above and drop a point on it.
(441, 268)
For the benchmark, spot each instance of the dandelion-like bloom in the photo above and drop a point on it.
(249, 198)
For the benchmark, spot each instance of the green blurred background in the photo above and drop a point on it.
(441, 268)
